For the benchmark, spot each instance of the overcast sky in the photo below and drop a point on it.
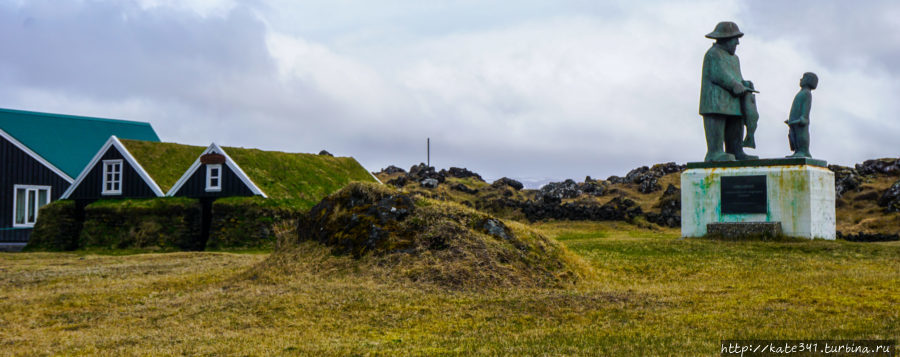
(533, 90)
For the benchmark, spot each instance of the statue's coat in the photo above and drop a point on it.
(721, 83)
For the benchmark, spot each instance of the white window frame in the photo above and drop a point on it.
(106, 165)
(29, 188)
(209, 186)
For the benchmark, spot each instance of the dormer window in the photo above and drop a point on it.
(112, 177)
(214, 178)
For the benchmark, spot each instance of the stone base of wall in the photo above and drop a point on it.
(745, 229)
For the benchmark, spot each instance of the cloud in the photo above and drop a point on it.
(578, 88)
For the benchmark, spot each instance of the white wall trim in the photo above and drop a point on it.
(35, 156)
(228, 161)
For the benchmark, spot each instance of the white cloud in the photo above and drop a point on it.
(573, 89)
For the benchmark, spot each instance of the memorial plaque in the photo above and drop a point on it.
(744, 194)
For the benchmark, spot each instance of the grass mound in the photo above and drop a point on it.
(434, 242)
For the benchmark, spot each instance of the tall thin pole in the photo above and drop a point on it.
(428, 146)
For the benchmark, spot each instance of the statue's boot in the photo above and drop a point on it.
(742, 156)
(800, 154)
(719, 156)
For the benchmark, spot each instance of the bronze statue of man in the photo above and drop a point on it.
(722, 89)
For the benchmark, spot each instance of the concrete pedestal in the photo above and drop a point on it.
(799, 193)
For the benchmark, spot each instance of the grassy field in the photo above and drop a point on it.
(653, 294)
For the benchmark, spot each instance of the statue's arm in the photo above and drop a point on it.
(807, 105)
(800, 109)
(722, 76)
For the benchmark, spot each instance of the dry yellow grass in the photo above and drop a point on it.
(654, 294)
(858, 210)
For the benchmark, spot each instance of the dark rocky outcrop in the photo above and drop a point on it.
(390, 170)
(669, 208)
(649, 185)
(890, 167)
(890, 199)
(845, 179)
(460, 173)
(398, 182)
(421, 171)
(571, 189)
(464, 189)
(617, 209)
(668, 168)
(506, 181)
(561, 190)
(434, 243)
(358, 219)
(616, 179)
(429, 183)
(647, 177)
(325, 153)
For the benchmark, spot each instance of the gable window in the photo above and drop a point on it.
(214, 178)
(27, 202)
(112, 177)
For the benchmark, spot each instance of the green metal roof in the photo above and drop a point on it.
(69, 142)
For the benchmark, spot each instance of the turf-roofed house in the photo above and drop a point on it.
(298, 178)
(40, 154)
(124, 168)
(141, 194)
(246, 194)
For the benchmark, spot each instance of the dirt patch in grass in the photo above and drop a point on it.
(431, 242)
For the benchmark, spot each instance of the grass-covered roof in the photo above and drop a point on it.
(306, 178)
(164, 162)
(302, 177)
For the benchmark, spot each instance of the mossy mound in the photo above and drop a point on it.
(436, 242)
(57, 229)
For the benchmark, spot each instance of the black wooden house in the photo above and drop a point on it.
(131, 169)
(40, 153)
(28, 182)
(214, 174)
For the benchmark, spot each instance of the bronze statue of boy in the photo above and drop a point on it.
(722, 94)
(798, 136)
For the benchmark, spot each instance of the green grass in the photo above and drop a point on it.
(295, 178)
(164, 162)
(305, 178)
(654, 294)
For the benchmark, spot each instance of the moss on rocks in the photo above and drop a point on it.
(436, 242)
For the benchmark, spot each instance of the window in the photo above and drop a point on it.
(112, 177)
(27, 202)
(214, 178)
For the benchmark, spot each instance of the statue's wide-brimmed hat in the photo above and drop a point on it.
(725, 29)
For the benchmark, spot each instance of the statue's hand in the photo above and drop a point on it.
(749, 84)
(738, 89)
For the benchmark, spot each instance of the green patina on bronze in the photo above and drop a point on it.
(798, 136)
(759, 163)
(726, 101)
